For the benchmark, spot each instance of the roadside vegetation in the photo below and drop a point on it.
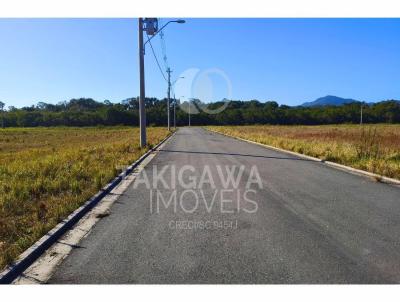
(373, 148)
(46, 173)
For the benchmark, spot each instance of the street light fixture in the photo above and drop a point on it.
(174, 82)
(179, 21)
(150, 25)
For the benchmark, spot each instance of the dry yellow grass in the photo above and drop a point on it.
(46, 173)
(373, 148)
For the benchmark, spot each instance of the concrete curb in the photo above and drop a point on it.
(39, 247)
(355, 171)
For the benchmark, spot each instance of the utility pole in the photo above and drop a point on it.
(189, 112)
(174, 112)
(174, 96)
(2, 113)
(150, 25)
(142, 110)
(169, 96)
(361, 114)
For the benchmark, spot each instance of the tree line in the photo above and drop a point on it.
(88, 112)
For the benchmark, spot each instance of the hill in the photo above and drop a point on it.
(329, 100)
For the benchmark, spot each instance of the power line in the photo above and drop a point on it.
(164, 50)
(155, 57)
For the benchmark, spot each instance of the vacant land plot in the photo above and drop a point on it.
(46, 173)
(374, 148)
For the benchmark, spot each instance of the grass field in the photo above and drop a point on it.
(46, 173)
(373, 148)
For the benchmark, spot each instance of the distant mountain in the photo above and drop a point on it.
(329, 100)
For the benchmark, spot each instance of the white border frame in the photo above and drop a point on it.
(203, 8)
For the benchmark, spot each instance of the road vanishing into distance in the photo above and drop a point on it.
(300, 222)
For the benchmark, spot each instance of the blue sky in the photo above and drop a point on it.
(286, 60)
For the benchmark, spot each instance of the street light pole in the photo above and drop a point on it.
(169, 97)
(361, 114)
(174, 96)
(151, 29)
(189, 112)
(2, 113)
(174, 112)
(142, 110)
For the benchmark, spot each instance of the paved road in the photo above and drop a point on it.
(313, 224)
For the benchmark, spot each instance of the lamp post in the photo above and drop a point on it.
(174, 99)
(169, 97)
(190, 100)
(361, 114)
(142, 111)
(183, 97)
(150, 25)
(2, 113)
(174, 112)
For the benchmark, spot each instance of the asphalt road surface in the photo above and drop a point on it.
(300, 222)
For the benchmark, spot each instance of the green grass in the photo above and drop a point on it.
(46, 173)
(373, 148)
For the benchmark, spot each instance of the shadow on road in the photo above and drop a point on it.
(234, 154)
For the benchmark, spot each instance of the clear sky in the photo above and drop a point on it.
(287, 60)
